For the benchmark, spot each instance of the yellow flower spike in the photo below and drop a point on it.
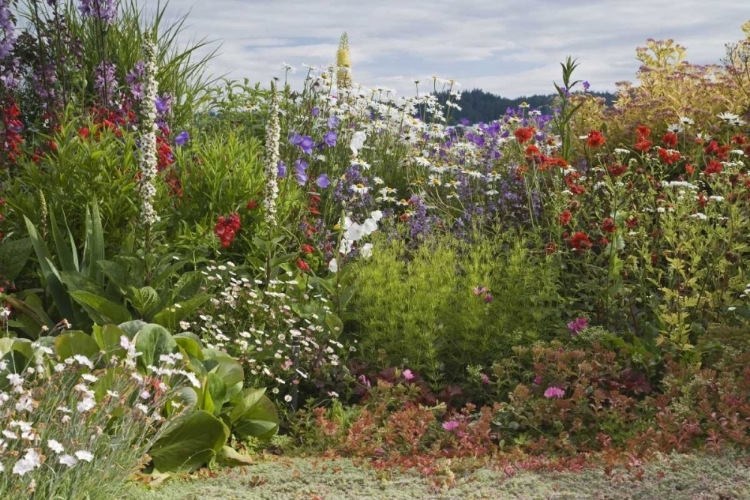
(344, 72)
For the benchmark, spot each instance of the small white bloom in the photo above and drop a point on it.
(333, 266)
(84, 455)
(55, 446)
(366, 251)
(68, 460)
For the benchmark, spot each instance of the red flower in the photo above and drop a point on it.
(580, 241)
(643, 145)
(643, 132)
(53, 145)
(307, 249)
(631, 222)
(531, 150)
(595, 139)
(523, 134)
(669, 139)
(565, 218)
(84, 132)
(609, 226)
(302, 265)
(251, 205)
(550, 248)
(617, 170)
(689, 169)
(712, 147)
(714, 167)
(668, 157)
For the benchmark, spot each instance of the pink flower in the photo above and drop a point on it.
(537, 380)
(577, 325)
(554, 392)
(485, 379)
(363, 380)
(488, 298)
(408, 375)
(450, 426)
(479, 290)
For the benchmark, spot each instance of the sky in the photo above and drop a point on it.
(510, 48)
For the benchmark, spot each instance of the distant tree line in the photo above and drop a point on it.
(480, 106)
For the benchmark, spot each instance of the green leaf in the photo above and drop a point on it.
(229, 457)
(191, 346)
(93, 250)
(131, 328)
(152, 342)
(218, 389)
(170, 316)
(51, 277)
(143, 299)
(259, 418)
(74, 342)
(65, 250)
(107, 337)
(224, 366)
(101, 310)
(189, 442)
(13, 257)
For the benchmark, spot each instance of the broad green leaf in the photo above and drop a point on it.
(107, 337)
(131, 328)
(13, 257)
(152, 342)
(143, 299)
(74, 342)
(191, 346)
(189, 442)
(224, 366)
(65, 250)
(218, 390)
(229, 457)
(259, 420)
(170, 316)
(101, 310)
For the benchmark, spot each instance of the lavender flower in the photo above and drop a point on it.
(304, 142)
(7, 30)
(281, 169)
(333, 121)
(322, 181)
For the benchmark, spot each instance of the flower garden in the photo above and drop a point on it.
(199, 274)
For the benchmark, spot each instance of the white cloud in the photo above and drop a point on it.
(512, 48)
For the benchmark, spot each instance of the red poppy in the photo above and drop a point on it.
(643, 145)
(251, 205)
(643, 132)
(307, 249)
(523, 134)
(668, 156)
(580, 241)
(595, 139)
(531, 150)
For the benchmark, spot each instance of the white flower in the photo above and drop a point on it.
(288, 398)
(376, 215)
(84, 361)
(360, 188)
(357, 142)
(333, 266)
(55, 446)
(89, 378)
(272, 158)
(369, 227)
(10, 434)
(28, 463)
(728, 117)
(686, 121)
(15, 379)
(675, 127)
(366, 251)
(84, 455)
(68, 460)
(85, 405)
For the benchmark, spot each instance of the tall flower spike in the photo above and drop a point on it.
(343, 64)
(148, 158)
(273, 133)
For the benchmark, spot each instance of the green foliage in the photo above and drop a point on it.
(418, 309)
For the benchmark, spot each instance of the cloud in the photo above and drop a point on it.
(511, 48)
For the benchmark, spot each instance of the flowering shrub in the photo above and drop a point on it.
(72, 427)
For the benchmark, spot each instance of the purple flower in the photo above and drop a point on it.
(537, 380)
(300, 167)
(577, 325)
(554, 392)
(450, 426)
(363, 380)
(464, 121)
(163, 104)
(281, 169)
(488, 298)
(330, 138)
(304, 142)
(333, 121)
(322, 181)
(182, 138)
(479, 290)
(105, 82)
(103, 10)
(586, 85)
(315, 111)
(485, 379)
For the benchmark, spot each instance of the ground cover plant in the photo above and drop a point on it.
(209, 270)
